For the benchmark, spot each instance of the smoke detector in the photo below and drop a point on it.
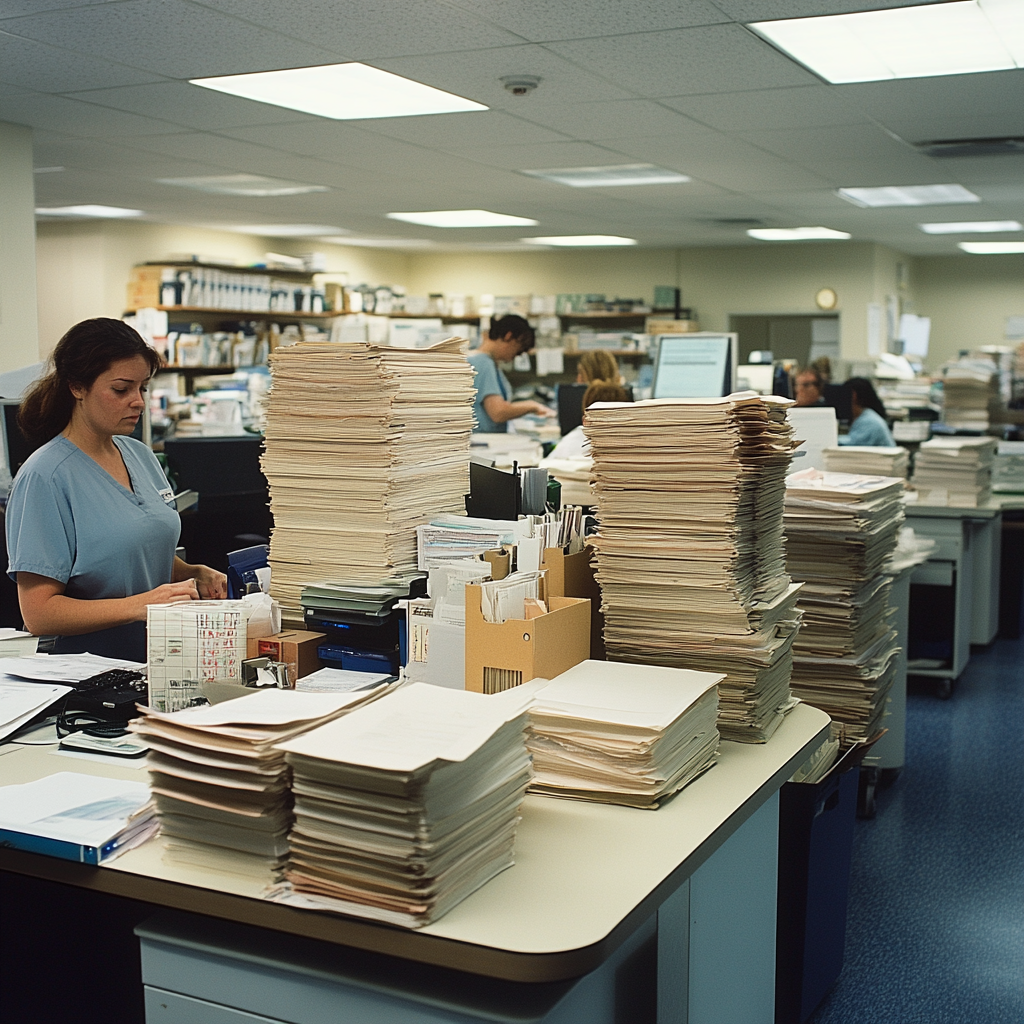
(520, 85)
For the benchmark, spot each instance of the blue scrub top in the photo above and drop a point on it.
(869, 429)
(490, 380)
(68, 519)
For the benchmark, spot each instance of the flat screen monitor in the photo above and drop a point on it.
(16, 446)
(700, 365)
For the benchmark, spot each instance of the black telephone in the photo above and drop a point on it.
(102, 705)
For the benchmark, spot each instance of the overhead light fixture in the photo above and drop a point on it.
(286, 230)
(970, 227)
(343, 92)
(908, 195)
(244, 185)
(992, 248)
(958, 38)
(609, 177)
(88, 210)
(462, 219)
(580, 241)
(795, 234)
(381, 243)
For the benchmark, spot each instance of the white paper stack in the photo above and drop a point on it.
(971, 399)
(405, 807)
(623, 734)
(1008, 468)
(955, 471)
(217, 777)
(362, 445)
(841, 530)
(867, 460)
(690, 553)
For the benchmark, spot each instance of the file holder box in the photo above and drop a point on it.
(816, 822)
(573, 576)
(296, 647)
(500, 655)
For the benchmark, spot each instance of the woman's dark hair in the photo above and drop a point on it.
(866, 394)
(87, 350)
(521, 331)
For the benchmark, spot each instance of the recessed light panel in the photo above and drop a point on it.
(287, 230)
(795, 234)
(462, 219)
(970, 227)
(344, 92)
(908, 195)
(958, 38)
(580, 241)
(608, 177)
(992, 248)
(244, 185)
(88, 210)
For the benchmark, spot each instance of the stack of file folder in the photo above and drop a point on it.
(867, 460)
(218, 779)
(407, 806)
(841, 530)
(362, 445)
(955, 471)
(623, 734)
(690, 555)
(970, 395)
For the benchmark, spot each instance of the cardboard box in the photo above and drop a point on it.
(659, 325)
(573, 576)
(144, 287)
(295, 647)
(500, 655)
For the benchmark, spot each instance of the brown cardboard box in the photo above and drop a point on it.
(295, 647)
(144, 287)
(500, 655)
(573, 576)
(658, 325)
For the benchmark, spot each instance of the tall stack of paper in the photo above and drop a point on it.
(405, 807)
(623, 734)
(867, 460)
(217, 777)
(841, 529)
(971, 399)
(690, 551)
(362, 445)
(1008, 468)
(955, 471)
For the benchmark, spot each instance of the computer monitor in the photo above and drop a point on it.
(699, 365)
(756, 377)
(838, 397)
(16, 446)
(570, 405)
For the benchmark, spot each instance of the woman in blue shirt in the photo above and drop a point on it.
(867, 416)
(90, 531)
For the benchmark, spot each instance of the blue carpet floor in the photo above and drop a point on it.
(935, 930)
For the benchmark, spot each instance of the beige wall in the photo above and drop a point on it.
(19, 334)
(968, 299)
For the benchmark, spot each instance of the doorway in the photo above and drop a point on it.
(803, 337)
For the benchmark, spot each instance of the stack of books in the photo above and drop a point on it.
(219, 782)
(955, 471)
(690, 552)
(841, 530)
(868, 461)
(362, 445)
(623, 734)
(405, 807)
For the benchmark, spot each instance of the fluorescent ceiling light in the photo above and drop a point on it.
(463, 219)
(382, 243)
(908, 195)
(959, 38)
(574, 241)
(970, 227)
(244, 185)
(89, 210)
(992, 248)
(608, 177)
(344, 92)
(286, 230)
(795, 234)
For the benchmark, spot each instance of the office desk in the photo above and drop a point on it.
(691, 886)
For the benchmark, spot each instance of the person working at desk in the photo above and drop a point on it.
(867, 416)
(91, 532)
(810, 388)
(575, 445)
(597, 365)
(508, 337)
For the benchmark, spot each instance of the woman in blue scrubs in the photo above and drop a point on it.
(91, 532)
(867, 420)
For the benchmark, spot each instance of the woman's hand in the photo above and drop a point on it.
(213, 585)
(540, 409)
(168, 593)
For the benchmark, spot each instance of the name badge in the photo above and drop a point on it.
(167, 495)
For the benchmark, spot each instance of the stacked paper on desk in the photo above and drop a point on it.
(1008, 468)
(690, 555)
(971, 399)
(871, 461)
(841, 531)
(16, 643)
(362, 445)
(955, 471)
(405, 807)
(623, 734)
(217, 776)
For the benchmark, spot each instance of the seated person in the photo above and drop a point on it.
(597, 365)
(575, 445)
(867, 425)
(507, 337)
(810, 388)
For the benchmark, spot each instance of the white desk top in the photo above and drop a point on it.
(586, 875)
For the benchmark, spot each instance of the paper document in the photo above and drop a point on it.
(64, 668)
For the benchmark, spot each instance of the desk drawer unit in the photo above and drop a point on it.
(948, 535)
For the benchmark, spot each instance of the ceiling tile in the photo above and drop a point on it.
(687, 61)
(612, 119)
(769, 10)
(15, 8)
(448, 132)
(62, 114)
(553, 154)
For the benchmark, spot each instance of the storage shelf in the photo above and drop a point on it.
(241, 314)
(232, 268)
